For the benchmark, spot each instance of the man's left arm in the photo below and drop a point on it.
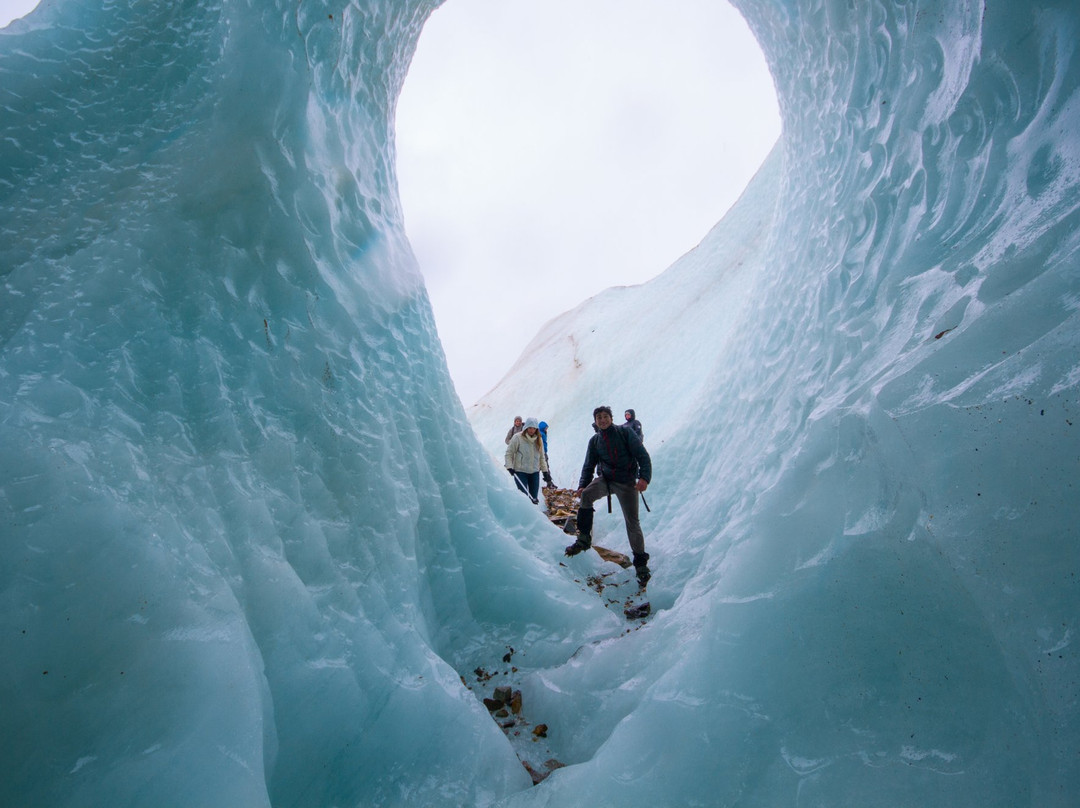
(641, 455)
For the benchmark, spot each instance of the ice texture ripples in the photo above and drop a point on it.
(869, 527)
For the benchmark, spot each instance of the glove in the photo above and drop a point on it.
(547, 480)
(511, 472)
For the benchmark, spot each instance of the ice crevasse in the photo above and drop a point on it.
(250, 547)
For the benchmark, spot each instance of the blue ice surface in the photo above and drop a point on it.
(253, 554)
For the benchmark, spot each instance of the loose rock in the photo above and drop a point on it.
(550, 765)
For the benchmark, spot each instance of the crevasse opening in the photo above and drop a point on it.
(554, 150)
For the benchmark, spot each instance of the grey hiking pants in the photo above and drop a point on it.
(628, 502)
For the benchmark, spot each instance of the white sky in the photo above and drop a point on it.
(13, 9)
(550, 149)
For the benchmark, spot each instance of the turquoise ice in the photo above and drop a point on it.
(251, 549)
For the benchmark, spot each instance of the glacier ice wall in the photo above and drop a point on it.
(249, 543)
(245, 529)
(864, 508)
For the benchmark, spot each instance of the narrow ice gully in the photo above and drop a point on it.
(250, 544)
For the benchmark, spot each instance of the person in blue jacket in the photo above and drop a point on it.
(543, 427)
(543, 436)
(625, 471)
(634, 424)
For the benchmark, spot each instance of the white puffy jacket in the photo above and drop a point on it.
(526, 454)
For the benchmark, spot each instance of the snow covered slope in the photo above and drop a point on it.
(621, 347)
(252, 553)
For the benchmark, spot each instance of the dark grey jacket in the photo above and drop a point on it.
(621, 455)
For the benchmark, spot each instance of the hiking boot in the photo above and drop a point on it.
(582, 544)
(641, 561)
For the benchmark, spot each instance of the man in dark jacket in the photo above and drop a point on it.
(634, 424)
(625, 470)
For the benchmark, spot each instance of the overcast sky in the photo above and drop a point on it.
(13, 9)
(550, 149)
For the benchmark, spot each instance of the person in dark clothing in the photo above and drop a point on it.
(634, 424)
(625, 471)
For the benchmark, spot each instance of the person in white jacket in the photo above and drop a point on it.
(525, 460)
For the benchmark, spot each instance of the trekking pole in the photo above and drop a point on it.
(646, 503)
(523, 489)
